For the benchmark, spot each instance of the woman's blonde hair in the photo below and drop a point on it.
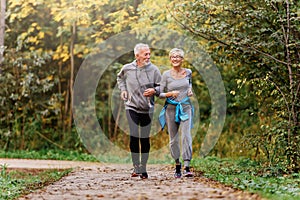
(178, 51)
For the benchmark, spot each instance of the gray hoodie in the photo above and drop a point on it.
(135, 80)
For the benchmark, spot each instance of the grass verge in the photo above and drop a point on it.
(15, 183)
(51, 154)
(270, 182)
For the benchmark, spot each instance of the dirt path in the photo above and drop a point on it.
(112, 181)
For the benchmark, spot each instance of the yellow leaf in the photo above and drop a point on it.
(207, 21)
(32, 39)
(34, 24)
(50, 78)
(41, 35)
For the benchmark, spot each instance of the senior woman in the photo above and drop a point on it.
(176, 87)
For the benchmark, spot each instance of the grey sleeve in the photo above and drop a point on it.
(157, 80)
(121, 80)
(163, 85)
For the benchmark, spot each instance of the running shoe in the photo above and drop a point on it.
(144, 175)
(178, 171)
(187, 172)
(136, 171)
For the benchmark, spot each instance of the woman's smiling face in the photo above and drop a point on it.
(176, 60)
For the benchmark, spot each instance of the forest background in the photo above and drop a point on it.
(255, 45)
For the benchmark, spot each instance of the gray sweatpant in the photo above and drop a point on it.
(186, 137)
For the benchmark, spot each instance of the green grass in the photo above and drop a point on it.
(48, 154)
(273, 183)
(55, 154)
(15, 183)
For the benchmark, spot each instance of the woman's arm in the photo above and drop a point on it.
(163, 88)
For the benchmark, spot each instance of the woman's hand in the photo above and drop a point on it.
(174, 94)
(190, 93)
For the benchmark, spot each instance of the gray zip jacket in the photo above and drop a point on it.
(135, 80)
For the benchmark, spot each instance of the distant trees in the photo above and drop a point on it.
(254, 43)
(46, 42)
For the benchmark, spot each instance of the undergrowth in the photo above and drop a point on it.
(271, 182)
(15, 183)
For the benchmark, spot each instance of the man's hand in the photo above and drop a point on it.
(124, 95)
(149, 92)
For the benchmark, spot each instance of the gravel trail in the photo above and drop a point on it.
(112, 181)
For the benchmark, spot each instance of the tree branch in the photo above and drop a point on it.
(213, 38)
(200, 34)
(283, 95)
(266, 54)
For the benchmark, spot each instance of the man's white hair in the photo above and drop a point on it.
(138, 48)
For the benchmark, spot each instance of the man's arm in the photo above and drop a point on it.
(122, 84)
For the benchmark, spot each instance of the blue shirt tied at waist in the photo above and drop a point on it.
(179, 114)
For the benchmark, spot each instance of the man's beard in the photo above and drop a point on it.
(145, 63)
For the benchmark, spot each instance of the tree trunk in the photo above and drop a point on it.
(73, 37)
(2, 28)
(61, 123)
(136, 5)
(109, 94)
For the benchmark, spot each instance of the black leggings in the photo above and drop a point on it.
(140, 126)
